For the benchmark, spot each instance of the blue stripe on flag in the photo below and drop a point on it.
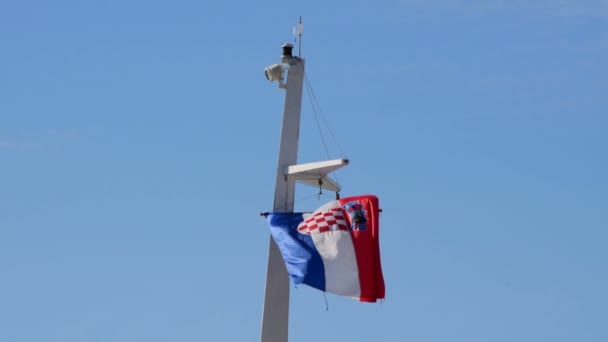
(303, 262)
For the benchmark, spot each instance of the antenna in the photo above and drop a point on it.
(300, 27)
(297, 35)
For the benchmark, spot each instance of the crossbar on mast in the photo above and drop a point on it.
(316, 174)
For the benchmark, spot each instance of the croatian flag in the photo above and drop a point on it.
(333, 249)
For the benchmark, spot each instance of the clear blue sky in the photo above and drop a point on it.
(139, 140)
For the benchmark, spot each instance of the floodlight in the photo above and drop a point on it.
(274, 73)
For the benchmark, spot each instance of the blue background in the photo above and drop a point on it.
(139, 140)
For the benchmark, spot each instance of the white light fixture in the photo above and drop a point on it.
(274, 73)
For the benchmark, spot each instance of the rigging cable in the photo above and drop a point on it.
(315, 195)
(314, 110)
(315, 106)
(317, 111)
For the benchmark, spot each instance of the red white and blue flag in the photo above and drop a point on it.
(335, 248)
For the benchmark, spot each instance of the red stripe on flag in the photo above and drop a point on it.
(367, 249)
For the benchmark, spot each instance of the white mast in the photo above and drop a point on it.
(275, 317)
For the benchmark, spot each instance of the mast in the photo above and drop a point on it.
(275, 317)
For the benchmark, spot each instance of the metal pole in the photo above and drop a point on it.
(275, 317)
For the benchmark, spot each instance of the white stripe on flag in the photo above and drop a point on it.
(338, 254)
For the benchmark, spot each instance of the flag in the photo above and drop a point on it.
(335, 248)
